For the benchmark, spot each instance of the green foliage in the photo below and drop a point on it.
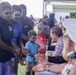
(73, 15)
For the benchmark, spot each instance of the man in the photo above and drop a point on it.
(6, 34)
(26, 23)
(51, 20)
(70, 42)
(17, 36)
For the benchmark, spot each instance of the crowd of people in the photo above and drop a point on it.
(19, 43)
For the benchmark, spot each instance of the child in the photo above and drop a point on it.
(33, 49)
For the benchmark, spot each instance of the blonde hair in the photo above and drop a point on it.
(65, 49)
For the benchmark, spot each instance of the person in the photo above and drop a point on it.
(33, 49)
(69, 46)
(43, 31)
(57, 35)
(26, 23)
(51, 20)
(32, 19)
(17, 36)
(66, 17)
(6, 46)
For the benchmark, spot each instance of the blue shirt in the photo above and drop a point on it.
(33, 47)
(17, 33)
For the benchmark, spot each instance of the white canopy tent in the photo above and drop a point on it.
(59, 6)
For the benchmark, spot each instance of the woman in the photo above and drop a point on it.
(69, 45)
(43, 31)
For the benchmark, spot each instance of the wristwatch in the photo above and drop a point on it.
(48, 67)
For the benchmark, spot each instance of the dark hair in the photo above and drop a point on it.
(31, 33)
(45, 16)
(16, 8)
(22, 6)
(4, 5)
(66, 17)
(51, 15)
(57, 31)
(40, 20)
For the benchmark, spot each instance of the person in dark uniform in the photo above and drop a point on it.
(6, 46)
(26, 23)
(51, 20)
(17, 36)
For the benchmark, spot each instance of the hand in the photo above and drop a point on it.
(24, 50)
(40, 58)
(40, 68)
(17, 53)
(22, 62)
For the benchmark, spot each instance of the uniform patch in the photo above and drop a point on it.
(10, 28)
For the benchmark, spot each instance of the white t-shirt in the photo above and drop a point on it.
(68, 70)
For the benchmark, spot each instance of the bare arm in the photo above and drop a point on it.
(6, 47)
(74, 69)
(57, 68)
(25, 37)
(20, 43)
(30, 54)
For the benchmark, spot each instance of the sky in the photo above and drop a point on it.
(34, 7)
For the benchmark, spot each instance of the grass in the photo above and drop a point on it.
(21, 70)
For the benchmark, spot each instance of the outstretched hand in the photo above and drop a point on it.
(40, 68)
(24, 50)
(40, 58)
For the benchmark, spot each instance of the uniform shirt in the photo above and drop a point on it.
(17, 33)
(6, 34)
(33, 47)
(26, 24)
(51, 22)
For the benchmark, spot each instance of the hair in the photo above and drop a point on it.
(31, 33)
(22, 6)
(65, 50)
(40, 20)
(66, 17)
(51, 15)
(16, 8)
(4, 5)
(57, 31)
(45, 16)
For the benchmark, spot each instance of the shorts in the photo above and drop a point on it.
(14, 66)
(29, 66)
(5, 68)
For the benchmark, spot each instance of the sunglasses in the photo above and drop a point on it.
(7, 13)
(17, 14)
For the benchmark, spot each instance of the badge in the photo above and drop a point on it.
(10, 28)
(25, 26)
